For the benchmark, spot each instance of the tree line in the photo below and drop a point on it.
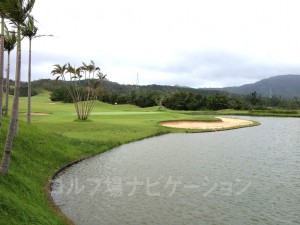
(176, 98)
(185, 100)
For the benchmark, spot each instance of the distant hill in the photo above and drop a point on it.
(115, 87)
(286, 86)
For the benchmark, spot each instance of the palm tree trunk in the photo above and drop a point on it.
(15, 110)
(1, 68)
(7, 84)
(29, 85)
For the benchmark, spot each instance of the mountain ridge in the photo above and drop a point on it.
(285, 86)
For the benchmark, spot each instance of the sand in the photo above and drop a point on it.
(39, 114)
(226, 123)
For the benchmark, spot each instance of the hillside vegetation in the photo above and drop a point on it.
(174, 97)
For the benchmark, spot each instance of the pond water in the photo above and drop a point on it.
(244, 176)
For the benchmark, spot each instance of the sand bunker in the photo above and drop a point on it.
(224, 124)
(39, 114)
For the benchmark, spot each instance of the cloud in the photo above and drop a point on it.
(191, 68)
(218, 69)
(207, 43)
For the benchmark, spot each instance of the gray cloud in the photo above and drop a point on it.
(196, 43)
(42, 64)
(194, 69)
(222, 69)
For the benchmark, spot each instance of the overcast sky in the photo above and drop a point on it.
(196, 43)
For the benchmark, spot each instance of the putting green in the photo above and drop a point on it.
(121, 113)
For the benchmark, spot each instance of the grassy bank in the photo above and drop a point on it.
(55, 139)
(36, 155)
(270, 113)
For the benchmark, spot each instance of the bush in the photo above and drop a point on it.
(60, 94)
(23, 91)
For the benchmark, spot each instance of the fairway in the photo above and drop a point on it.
(107, 123)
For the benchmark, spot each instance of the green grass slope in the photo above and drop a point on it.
(36, 155)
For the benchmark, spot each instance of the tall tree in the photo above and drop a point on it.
(1, 64)
(16, 11)
(30, 31)
(10, 41)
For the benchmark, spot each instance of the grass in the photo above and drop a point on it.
(36, 155)
(273, 113)
(55, 139)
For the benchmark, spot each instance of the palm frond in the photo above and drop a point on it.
(29, 30)
(16, 10)
(59, 69)
(10, 40)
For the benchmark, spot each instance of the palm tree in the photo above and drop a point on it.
(10, 41)
(30, 30)
(81, 86)
(74, 75)
(16, 11)
(1, 64)
(59, 70)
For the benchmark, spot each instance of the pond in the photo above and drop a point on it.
(243, 176)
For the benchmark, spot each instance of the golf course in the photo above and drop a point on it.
(56, 139)
(116, 116)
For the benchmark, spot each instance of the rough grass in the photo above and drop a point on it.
(36, 155)
(57, 139)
